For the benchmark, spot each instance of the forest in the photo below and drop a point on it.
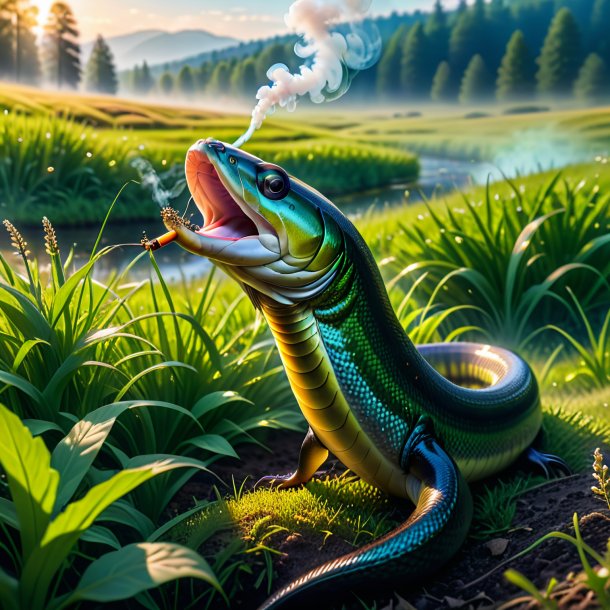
(509, 51)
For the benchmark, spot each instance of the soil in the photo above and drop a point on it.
(474, 579)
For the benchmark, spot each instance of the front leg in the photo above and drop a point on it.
(313, 455)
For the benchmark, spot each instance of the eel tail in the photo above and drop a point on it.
(431, 535)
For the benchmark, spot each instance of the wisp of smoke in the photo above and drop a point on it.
(331, 57)
(151, 181)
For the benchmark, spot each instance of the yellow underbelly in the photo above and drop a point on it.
(317, 391)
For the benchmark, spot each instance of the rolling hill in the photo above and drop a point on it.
(160, 47)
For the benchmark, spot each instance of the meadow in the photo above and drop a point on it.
(117, 394)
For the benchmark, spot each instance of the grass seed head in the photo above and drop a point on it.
(50, 238)
(17, 240)
(600, 474)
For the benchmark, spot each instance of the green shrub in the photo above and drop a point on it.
(50, 524)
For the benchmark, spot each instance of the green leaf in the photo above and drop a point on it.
(125, 513)
(9, 589)
(25, 349)
(40, 426)
(8, 514)
(98, 534)
(138, 567)
(214, 443)
(65, 529)
(212, 401)
(64, 295)
(32, 482)
(74, 455)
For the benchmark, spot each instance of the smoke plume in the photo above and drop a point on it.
(331, 57)
(150, 180)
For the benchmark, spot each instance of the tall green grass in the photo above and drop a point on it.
(506, 260)
(70, 344)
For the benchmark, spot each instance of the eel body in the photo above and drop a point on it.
(416, 422)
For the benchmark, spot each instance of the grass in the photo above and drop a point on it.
(191, 367)
(58, 163)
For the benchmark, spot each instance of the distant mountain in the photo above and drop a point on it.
(160, 47)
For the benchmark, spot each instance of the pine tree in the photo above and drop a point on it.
(220, 79)
(244, 82)
(186, 81)
(415, 77)
(468, 37)
(592, 84)
(442, 84)
(166, 83)
(135, 79)
(600, 23)
(18, 51)
(61, 48)
(6, 42)
(516, 73)
(560, 57)
(146, 82)
(477, 84)
(388, 71)
(438, 34)
(203, 75)
(500, 27)
(100, 73)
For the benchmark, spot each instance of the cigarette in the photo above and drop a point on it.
(159, 242)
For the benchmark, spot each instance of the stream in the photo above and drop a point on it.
(437, 175)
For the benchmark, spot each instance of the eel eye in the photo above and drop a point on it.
(273, 182)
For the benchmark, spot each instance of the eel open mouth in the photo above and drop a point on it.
(224, 217)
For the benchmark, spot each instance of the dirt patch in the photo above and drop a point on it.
(474, 579)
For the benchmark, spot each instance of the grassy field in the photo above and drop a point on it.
(150, 383)
(71, 145)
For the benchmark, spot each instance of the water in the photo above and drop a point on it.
(437, 175)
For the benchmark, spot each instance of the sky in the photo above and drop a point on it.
(245, 20)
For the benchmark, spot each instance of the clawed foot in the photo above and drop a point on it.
(550, 465)
(286, 481)
(277, 481)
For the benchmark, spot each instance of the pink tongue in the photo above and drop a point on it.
(231, 228)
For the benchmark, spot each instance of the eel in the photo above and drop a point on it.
(417, 422)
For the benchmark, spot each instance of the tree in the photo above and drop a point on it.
(560, 57)
(499, 27)
(61, 48)
(600, 18)
(438, 34)
(141, 79)
(389, 64)
(100, 73)
(203, 75)
(220, 79)
(516, 73)
(442, 84)
(18, 51)
(592, 84)
(166, 83)
(415, 77)
(468, 37)
(244, 82)
(477, 84)
(186, 81)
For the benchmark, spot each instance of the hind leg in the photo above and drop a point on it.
(313, 455)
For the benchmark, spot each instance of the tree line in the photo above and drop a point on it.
(57, 60)
(482, 51)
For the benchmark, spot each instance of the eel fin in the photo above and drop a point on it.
(429, 537)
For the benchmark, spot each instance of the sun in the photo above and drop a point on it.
(43, 7)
